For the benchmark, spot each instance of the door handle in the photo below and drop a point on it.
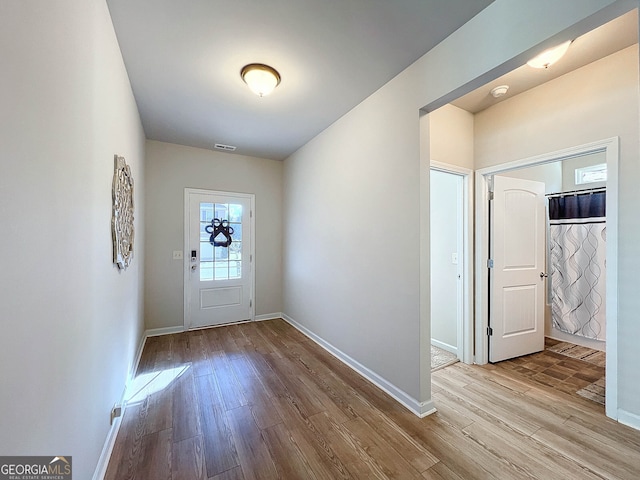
(193, 267)
(543, 275)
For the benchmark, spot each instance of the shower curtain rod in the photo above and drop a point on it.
(577, 192)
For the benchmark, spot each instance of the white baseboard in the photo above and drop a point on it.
(136, 360)
(444, 346)
(107, 449)
(268, 316)
(155, 332)
(577, 339)
(629, 419)
(103, 461)
(421, 409)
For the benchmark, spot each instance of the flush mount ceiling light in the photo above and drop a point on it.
(549, 57)
(261, 79)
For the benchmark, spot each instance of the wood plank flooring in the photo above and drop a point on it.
(560, 372)
(260, 400)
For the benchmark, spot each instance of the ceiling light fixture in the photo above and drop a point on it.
(549, 57)
(261, 79)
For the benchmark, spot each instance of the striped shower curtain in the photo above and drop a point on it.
(577, 228)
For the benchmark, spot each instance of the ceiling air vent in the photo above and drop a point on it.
(227, 148)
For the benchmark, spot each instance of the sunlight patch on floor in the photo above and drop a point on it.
(149, 383)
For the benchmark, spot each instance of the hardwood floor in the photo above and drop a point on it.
(260, 400)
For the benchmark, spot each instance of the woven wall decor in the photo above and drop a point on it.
(122, 217)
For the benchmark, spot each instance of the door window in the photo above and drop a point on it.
(220, 262)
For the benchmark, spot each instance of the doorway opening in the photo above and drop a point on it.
(451, 239)
(550, 113)
(609, 148)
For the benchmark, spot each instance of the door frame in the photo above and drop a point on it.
(187, 258)
(465, 320)
(611, 147)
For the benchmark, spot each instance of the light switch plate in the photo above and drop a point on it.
(177, 254)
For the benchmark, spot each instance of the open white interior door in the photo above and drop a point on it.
(517, 279)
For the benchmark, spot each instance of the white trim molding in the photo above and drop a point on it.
(156, 332)
(105, 455)
(629, 419)
(449, 168)
(421, 409)
(268, 316)
(103, 462)
(444, 346)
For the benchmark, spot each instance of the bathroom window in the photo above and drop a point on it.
(592, 174)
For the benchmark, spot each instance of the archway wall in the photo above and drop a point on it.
(375, 161)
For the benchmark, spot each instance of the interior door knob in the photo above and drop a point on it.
(193, 267)
(543, 275)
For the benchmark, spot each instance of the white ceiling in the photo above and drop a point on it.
(184, 60)
(611, 37)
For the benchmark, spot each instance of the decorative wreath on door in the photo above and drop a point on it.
(220, 233)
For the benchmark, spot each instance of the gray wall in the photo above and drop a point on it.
(352, 234)
(592, 103)
(372, 165)
(451, 136)
(172, 168)
(71, 322)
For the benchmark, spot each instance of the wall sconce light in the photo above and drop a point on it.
(549, 57)
(261, 79)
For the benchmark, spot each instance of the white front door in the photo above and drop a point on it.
(516, 306)
(218, 258)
